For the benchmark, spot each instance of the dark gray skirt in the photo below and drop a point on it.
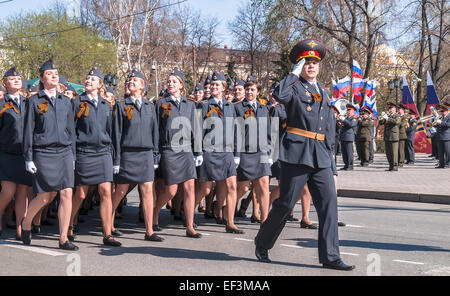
(217, 166)
(136, 167)
(177, 167)
(251, 168)
(93, 168)
(12, 169)
(54, 171)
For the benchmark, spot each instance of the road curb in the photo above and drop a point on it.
(398, 196)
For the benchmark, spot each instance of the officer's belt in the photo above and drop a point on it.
(311, 135)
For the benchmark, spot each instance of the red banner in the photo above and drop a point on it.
(421, 143)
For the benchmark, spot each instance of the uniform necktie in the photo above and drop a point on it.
(52, 99)
(138, 104)
(16, 100)
(95, 102)
(220, 104)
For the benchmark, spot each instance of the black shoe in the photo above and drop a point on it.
(253, 219)
(168, 207)
(439, 167)
(234, 230)
(68, 246)
(291, 218)
(83, 212)
(35, 228)
(197, 235)
(338, 265)
(109, 241)
(26, 235)
(241, 213)
(341, 223)
(201, 209)
(18, 238)
(153, 238)
(262, 255)
(308, 226)
(156, 227)
(343, 169)
(116, 233)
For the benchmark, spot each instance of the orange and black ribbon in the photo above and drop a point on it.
(10, 105)
(317, 97)
(167, 110)
(250, 112)
(214, 110)
(84, 108)
(129, 111)
(43, 107)
(262, 102)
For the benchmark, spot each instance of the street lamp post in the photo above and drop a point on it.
(155, 68)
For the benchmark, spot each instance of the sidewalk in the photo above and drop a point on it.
(420, 182)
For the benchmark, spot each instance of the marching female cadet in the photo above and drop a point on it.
(15, 180)
(199, 93)
(49, 148)
(220, 156)
(94, 166)
(207, 86)
(176, 117)
(255, 162)
(305, 154)
(135, 143)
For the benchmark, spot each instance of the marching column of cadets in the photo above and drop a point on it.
(97, 145)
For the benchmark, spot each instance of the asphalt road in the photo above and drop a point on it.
(381, 238)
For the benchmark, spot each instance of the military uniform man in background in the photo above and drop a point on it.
(402, 137)
(391, 123)
(363, 136)
(410, 134)
(347, 136)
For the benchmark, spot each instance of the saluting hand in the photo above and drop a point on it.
(297, 70)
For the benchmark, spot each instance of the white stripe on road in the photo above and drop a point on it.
(350, 254)
(243, 239)
(291, 246)
(409, 262)
(33, 249)
(354, 226)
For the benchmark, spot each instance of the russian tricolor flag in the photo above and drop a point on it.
(407, 98)
(432, 98)
(370, 88)
(358, 85)
(335, 89)
(344, 85)
(357, 71)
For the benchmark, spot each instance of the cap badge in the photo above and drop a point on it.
(312, 43)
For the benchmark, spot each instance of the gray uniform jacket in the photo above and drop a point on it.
(48, 128)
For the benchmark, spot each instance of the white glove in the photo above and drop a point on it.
(30, 167)
(74, 165)
(237, 160)
(270, 161)
(438, 121)
(385, 116)
(198, 160)
(116, 169)
(342, 118)
(157, 160)
(297, 70)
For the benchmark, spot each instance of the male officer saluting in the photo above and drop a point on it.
(305, 155)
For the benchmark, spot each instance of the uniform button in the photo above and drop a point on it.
(321, 108)
(321, 118)
(320, 128)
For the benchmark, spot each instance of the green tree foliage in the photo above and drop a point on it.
(32, 38)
